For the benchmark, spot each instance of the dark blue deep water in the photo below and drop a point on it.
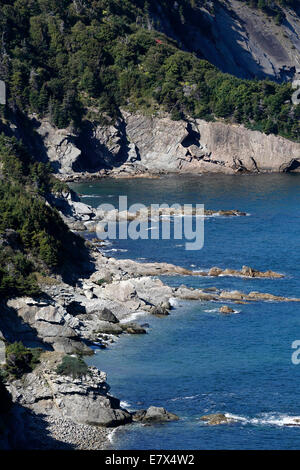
(197, 361)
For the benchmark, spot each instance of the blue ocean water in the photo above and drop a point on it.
(196, 361)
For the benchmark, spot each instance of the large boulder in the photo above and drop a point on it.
(120, 290)
(154, 414)
(215, 271)
(107, 315)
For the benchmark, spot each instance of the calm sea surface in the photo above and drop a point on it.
(196, 361)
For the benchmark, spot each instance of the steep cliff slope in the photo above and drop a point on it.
(240, 38)
(75, 70)
(139, 144)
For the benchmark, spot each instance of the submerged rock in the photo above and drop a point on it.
(293, 422)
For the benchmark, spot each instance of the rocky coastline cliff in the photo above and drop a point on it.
(139, 145)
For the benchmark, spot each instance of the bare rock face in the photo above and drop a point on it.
(243, 41)
(2, 349)
(60, 147)
(200, 147)
(84, 400)
(140, 144)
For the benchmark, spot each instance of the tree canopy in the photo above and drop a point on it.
(76, 59)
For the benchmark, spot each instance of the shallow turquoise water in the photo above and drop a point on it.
(197, 361)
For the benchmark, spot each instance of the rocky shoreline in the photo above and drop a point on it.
(71, 318)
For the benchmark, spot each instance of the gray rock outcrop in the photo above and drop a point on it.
(50, 322)
(202, 147)
(161, 145)
(60, 146)
(84, 400)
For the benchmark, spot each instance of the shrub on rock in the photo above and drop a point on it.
(73, 366)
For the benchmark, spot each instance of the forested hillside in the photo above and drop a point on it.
(33, 238)
(69, 60)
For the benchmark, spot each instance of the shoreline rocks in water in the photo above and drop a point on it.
(246, 271)
(226, 310)
(81, 217)
(155, 213)
(111, 267)
(154, 415)
(216, 418)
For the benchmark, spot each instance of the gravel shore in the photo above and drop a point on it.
(55, 433)
(79, 436)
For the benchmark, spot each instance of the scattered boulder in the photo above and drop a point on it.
(250, 272)
(232, 213)
(153, 415)
(108, 328)
(186, 293)
(216, 419)
(232, 295)
(226, 310)
(246, 271)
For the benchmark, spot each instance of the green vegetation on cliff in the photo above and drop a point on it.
(33, 237)
(20, 360)
(70, 59)
(73, 366)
